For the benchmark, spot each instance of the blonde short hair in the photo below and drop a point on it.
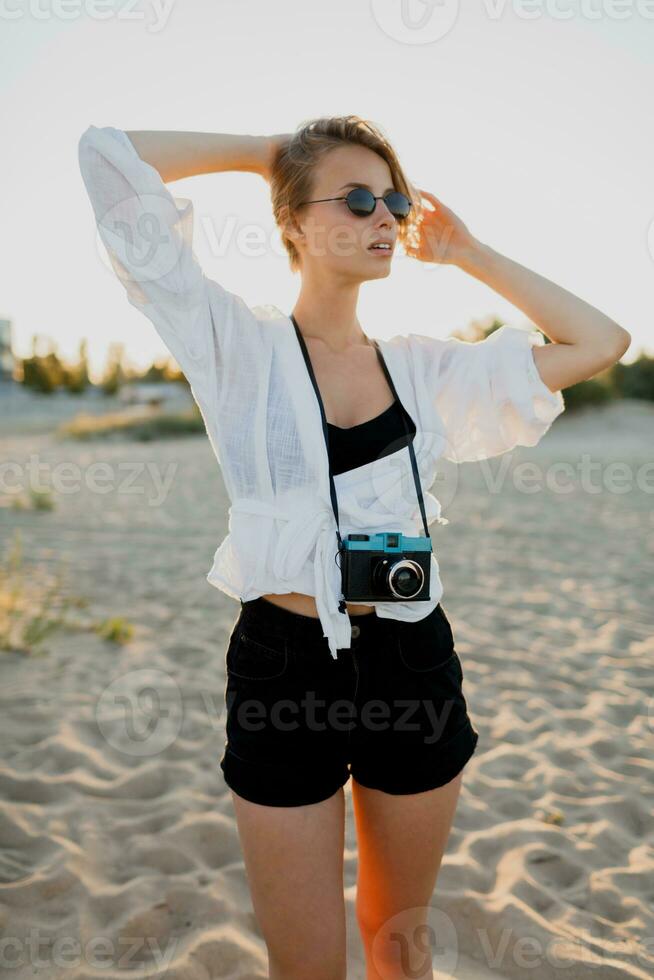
(291, 175)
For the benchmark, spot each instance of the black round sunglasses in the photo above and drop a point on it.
(363, 202)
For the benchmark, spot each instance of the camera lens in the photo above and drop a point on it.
(403, 578)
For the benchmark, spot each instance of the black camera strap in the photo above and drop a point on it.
(414, 465)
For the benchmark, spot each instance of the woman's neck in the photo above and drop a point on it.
(330, 316)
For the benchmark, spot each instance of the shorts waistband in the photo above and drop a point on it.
(284, 622)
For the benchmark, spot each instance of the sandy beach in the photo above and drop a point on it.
(118, 845)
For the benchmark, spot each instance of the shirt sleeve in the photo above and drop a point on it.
(489, 394)
(148, 235)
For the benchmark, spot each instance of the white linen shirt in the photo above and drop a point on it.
(469, 401)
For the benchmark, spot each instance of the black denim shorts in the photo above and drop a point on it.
(390, 710)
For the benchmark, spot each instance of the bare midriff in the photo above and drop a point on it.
(305, 605)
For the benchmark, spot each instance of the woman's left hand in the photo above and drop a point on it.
(443, 235)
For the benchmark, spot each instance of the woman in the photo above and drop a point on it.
(294, 643)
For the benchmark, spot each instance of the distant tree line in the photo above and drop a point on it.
(46, 371)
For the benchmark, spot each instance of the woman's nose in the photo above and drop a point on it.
(382, 211)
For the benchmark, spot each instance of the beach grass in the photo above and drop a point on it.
(35, 601)
(142, 423)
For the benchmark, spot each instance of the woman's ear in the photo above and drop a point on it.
(289, 225)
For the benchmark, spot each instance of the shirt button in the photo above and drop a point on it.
(355, 632)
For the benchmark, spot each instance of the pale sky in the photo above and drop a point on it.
(535, 128)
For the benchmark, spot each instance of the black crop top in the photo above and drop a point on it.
(370, 440)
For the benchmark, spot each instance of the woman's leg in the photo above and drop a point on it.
(401, 840)
(294, 864)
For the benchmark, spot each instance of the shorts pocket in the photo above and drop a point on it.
(427, 644)
(256, 655)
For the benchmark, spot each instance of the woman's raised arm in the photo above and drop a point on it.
(185, 154)
(147, 232)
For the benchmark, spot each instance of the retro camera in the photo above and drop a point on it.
(388, 566)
